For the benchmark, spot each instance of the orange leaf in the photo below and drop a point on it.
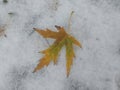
(52, 53)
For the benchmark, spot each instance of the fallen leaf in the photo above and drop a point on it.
(2, 31)
(62, 38)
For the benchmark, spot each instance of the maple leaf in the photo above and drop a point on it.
(52, 53)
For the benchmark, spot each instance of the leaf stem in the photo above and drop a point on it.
(69, 21)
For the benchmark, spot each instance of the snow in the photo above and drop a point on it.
(95, 24)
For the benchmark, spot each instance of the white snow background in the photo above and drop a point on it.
(95, 23)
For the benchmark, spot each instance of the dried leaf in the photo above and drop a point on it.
(52, 53)
(2, 31)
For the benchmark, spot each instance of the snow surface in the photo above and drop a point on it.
(96, 23)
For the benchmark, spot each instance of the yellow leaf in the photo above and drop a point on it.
(52, 53)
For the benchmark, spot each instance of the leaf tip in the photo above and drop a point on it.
(67, 75)
(80, 45)
(34, 28)
(58, 27)
(34, 71)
